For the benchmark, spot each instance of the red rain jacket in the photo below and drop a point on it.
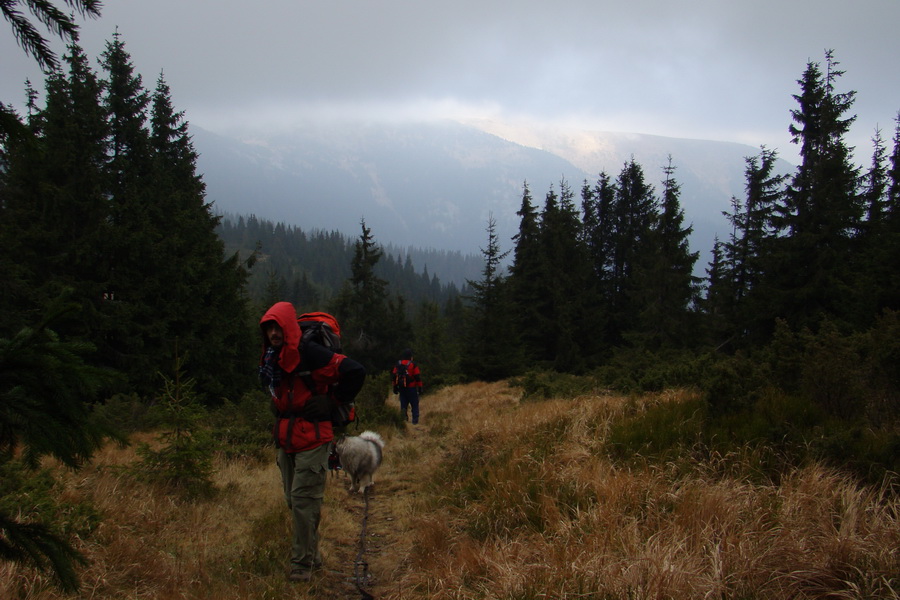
(304, 365)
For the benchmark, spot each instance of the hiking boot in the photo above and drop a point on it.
(300, 575)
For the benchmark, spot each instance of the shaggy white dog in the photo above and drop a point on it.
(360, 458)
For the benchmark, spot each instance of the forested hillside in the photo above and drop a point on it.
(309, 267)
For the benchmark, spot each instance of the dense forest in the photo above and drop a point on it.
(308, 267)
(116, 276)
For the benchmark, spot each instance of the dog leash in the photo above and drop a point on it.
(360, 556)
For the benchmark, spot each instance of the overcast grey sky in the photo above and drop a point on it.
(708, 69)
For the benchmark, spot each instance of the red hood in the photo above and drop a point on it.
(284, 314)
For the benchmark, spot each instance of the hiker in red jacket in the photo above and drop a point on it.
(407, 380)
(304, 380)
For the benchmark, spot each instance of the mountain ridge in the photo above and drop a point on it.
(436, 184)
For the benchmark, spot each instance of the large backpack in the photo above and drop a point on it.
(323, 329)
(401, 376)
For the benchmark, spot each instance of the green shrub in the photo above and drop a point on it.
(880, 351)
(184, 463)
(542, 385)
(243, 430)
(438, 381)
(661, 431)
(125, 413)
(731, 384)
(33, 495)
(634, 370)
(872, 455)
(371, 404)
(832, 374)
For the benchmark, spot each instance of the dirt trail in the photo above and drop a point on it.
(388, 541)
(411, 457)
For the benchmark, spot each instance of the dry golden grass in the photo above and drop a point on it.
(496, 499)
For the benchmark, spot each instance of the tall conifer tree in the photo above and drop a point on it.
(136, 327)
(667, 291)
(55, 203)
(483, 355)
(433, 346)
(565, 276)
(890, 283)
(634, 214)
(717, 303)
(199, 289)
(746, 254)
(371, 326)
(598, 237)
(872, 272)
(526, 284)
(813, 274)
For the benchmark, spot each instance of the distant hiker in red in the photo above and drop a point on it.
(407, 382)
(304, 380)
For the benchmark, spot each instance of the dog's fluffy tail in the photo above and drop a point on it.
(372, 437)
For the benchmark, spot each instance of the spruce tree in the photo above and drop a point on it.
(490, 322)
(74, 119)
(433, 346)
(21, 174)
(634, 212)
(126, 102)
(565, 274)
(746, 255)
(57, 20)
(598, 235)
(667, 291)
(133, 325)
(46, 387)
(813, 273)
(199, 297)
(363, 310)
(183, 462)
(526, 285)
(717, 304)
(872, 271)
(55, 206)
(889, 278)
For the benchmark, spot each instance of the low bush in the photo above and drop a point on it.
(183, 464)
(633, 370)
(371, 404)
(243, 430)
(541, 385)
(125, 413)
(659, 431)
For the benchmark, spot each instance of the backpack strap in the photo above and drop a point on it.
(306, 376)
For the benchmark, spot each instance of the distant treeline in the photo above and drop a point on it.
(308, 267)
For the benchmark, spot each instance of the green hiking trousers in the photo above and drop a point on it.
(303, 475)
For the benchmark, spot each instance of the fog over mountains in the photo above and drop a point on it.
(434, 185)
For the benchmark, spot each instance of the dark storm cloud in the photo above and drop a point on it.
(711, 69)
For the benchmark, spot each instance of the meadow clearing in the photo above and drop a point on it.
(492, 497)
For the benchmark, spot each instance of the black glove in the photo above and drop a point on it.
(317, 408)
